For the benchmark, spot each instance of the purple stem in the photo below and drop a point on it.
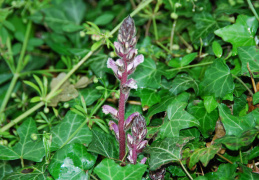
(134, 153)
(122, 112)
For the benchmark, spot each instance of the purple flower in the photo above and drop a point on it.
(136, 142)
(122, 67)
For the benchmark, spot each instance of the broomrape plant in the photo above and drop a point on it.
(122, 68)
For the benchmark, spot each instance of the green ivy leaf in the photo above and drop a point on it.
(234, 143)
(254, 153)
(210, 103)
(207, 120)
(147, 74)
(256, 98)
(63, 133)
(7, 153)
(98, 65)
(204, 155)
(165, 101)
(71, 162)
(218, 80)
(148, 97)
(178, 119)
(109, 170)
(236, 125)
(224, 170)
(26, 148)
(104, 144)
(246, 173)
(205, 25)
(37, 172)
(182, 61)
(241, 33)
(249, 55)
(166, 151)
(182, 83)
(239, 104)
(5, 169)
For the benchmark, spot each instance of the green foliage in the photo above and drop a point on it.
(108, 170)
(197, 89)
(71, 158)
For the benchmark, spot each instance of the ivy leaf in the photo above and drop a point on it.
(217, 80)
(7, 153)
(148, 97)
(246, 173)
(166, 151)
(165, 101)
(239, 104)
(204, 155)
(241, 33)
(109, 170)
(26, 148)
(205, 26)
(182, 83)
(234, 143)
(207, 120)
(249, 55)
(37, 172)
(224, 170)
(104, 144)
(254, 153)
(256, 98)
(178, 119)
(235, 125)
(98, 64)
(5, 169)
(71, 162)
(63, 133)
(210, 103)
(147, 75)
(74, 10)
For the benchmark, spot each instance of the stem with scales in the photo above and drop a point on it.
(122, 112)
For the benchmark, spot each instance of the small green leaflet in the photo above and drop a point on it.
(182, 83)
(26, 148)
(166, 151)
(241, 33)
(109, 170)
(104, 144)
(178, 119)
(249, 55)
(218, 80)
(63, 133)
(204, 155)
(71, 162)
(234, 143)
(217, 49)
